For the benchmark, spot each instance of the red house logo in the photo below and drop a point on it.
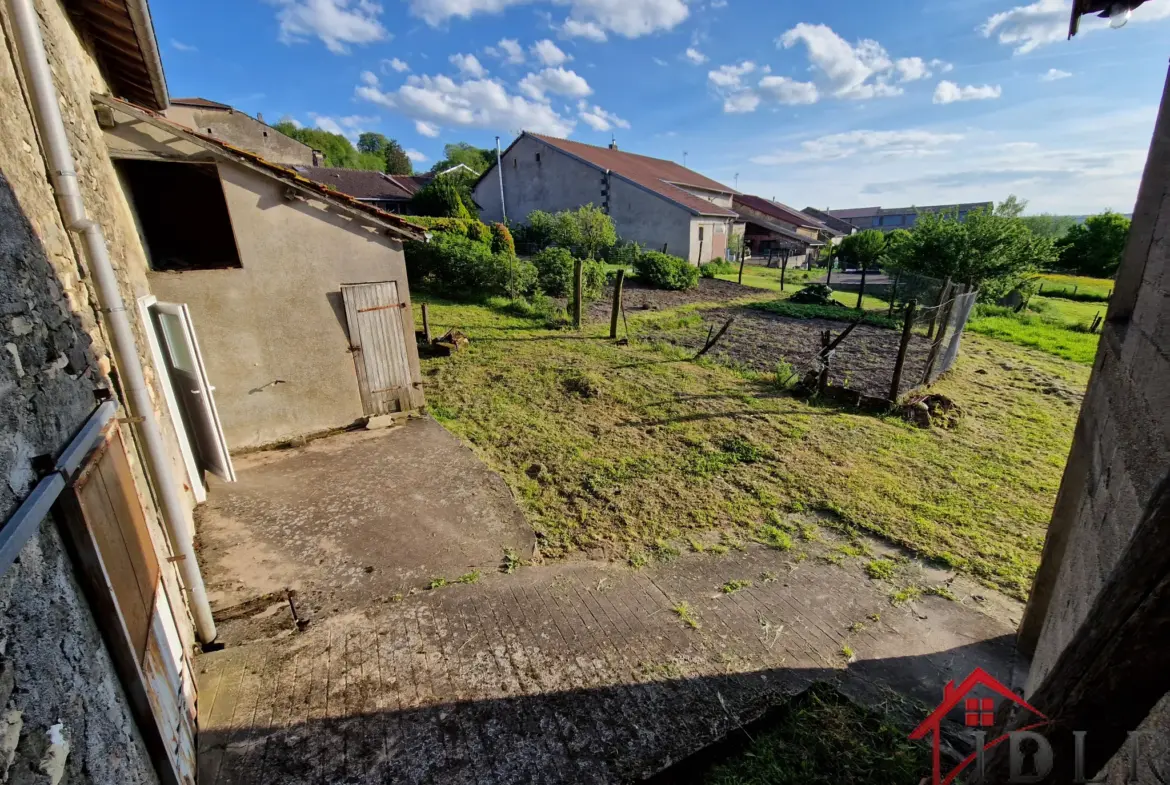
(977, 713)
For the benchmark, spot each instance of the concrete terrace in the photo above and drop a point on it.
(572, 672)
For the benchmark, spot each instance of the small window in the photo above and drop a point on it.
(877, 220)
(892, 220)
(265, 134)
(182, 215)
(700, 234)
(538, 157)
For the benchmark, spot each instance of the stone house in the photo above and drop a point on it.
(101, 596)
(657, 203)
(771, 228)
(240, 130)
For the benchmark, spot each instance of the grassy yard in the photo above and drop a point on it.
(769, 278)
(639, 453)
(1083, 284)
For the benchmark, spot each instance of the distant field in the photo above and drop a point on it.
(1081, 283)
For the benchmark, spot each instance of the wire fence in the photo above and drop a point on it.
(943, 311)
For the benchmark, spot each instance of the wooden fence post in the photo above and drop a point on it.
(907, 331)
(894, 295)
(823, 379)
(578, 270)
(936, 347)
(942, 297)
(742, 261)
(426, 324)
(617, 303)
(861, 291)
(783, 266)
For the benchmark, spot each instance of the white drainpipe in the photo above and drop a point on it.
(31, 47)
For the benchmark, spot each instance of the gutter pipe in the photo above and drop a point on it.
(31, 48)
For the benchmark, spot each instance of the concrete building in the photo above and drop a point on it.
(841, 228)
(657, 203)
(101, 596)
(389, 192)
(889, 218)
(240, 130)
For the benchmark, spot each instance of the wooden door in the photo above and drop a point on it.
(378, 340)
(107, 533)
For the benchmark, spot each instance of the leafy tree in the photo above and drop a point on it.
(440, 198)
(863, 249)
(1047, 225)
(337, 149)
(372, 142)
(1095, 247)
(477, 158)
(595, 230)
(1012, 207)
(397, 162)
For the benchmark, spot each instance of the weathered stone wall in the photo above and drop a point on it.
(57, 686)
(237, 128)
(1121, 448)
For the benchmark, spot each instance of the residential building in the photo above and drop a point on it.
(658, 203)
(378, 189)
(887, 219)
(239, 130)
(123, 230)
(771, 229)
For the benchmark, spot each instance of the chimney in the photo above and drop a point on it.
(317, 158)
(613, 143)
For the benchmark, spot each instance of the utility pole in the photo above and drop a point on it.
(684, 158)
(737, 181)
(500, 172)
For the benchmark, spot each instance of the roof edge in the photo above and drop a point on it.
(148, 43)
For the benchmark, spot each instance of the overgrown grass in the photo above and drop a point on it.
(760, 277)
(868, 301)
(1053, 337)
(821, 738)
(663, 449)
(1056, 284)
(1077, 315)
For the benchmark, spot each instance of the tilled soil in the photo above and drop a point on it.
(639, 297)
(760, 340)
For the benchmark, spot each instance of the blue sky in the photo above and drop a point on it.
(842, 103)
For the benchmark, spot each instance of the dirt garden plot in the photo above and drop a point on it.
(760, 341)
(640, 297)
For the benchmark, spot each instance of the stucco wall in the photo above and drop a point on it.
(561, 182)
(280, 315)
(239, 129)
(1121, 447)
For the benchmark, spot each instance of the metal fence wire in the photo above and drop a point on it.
(945, 321)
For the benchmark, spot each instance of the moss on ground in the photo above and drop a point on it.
(662, 450)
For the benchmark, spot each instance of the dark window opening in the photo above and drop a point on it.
(265, 134)
(538, 157)
(182, 214)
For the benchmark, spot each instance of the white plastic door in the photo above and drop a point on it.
(193, 388)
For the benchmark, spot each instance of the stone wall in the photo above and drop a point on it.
(64, 716)
(237, 128)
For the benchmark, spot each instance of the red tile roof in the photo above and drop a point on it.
(655, 174)
(200, 102)
(389, 220)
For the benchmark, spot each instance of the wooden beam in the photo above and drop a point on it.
(1113, 671)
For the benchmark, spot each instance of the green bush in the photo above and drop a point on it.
(715, 267)
(502, 241)
(815, 294)
(554, 274)
(622, 253)
(470, 228)
(440, 198)
(663, 271)
(455, 265)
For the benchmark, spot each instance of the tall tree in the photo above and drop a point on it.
(372, 142)
(1012, 207)
(595, 229)
(1047, 225)
(863, 249)
(1095, 247)
(440, 199)
(476, 158)
(397, 161)
(337, 149)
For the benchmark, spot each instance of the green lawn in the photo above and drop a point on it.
(769, 278)
(634, 450)
(1083, 284)
(1071, 312)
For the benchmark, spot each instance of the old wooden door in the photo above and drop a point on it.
(108, 534)
(377, 337)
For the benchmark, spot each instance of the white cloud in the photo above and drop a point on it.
(549, 53)
(942, 65)
(695, 56)
(741, 102)
(847, 68)
(468, 65)
(1053, 74)
(557, 81)
(587, 18)
(433, 101)
(660, 61)
(575, 28)
(349, 126)
(911, 69)
(907, 143)
(416, 156)
(1028, 27)
(731, 76)
(598, 119)
(182, 47)
(370, 78)
(949, 92)
(288, 118)
(394, 64)
(788, 91)
(509, 50)
(336, 22)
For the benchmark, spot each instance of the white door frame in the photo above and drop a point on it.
(173, 410)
